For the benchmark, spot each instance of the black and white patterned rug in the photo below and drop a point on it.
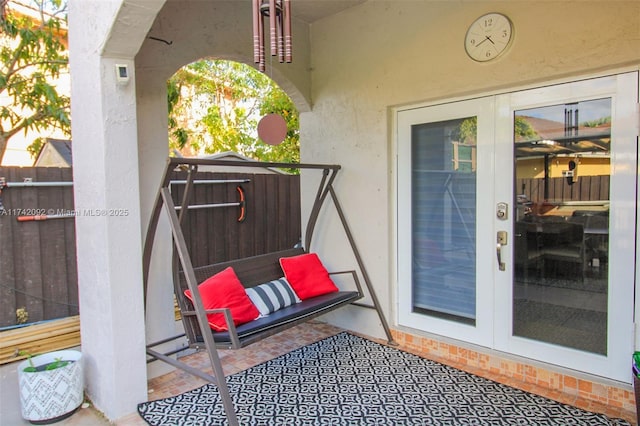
(348, 380)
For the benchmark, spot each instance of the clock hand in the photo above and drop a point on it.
(486, 38)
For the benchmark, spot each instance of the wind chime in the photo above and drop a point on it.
(272, 128)
(279, 14)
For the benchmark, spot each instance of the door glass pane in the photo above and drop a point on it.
(443, 189)
(561, 235)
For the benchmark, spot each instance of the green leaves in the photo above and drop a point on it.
(57, 363)
(215, 105)
(32, 57)
(31, 368)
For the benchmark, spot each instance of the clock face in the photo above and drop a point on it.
(488, 37)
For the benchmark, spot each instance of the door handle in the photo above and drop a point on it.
(501, 238)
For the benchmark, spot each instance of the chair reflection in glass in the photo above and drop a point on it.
(596, 235)
(528, 252)
(552, 242)
(564, 248)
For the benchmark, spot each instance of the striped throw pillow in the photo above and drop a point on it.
(271, 296)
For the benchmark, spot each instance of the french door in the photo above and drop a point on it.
(516, 222)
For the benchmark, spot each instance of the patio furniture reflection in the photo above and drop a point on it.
(596, 235)
(528, 251)
(564, 245)
(549, 241)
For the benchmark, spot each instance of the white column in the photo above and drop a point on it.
(108, 229)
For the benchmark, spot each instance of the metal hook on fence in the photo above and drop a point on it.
(241, 204)
(45, 217)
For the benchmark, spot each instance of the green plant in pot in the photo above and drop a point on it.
(51, 386)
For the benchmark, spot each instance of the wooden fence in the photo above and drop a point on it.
(272, 220)
(38, 274)
(586, 188)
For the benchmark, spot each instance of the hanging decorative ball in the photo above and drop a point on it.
(272, 129)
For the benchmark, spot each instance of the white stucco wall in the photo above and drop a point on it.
(387, 53)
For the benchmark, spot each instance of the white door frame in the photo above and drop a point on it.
(622, 224)
(483, 108)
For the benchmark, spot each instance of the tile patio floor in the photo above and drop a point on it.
(237, 360)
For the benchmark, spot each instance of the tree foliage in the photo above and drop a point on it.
(215, 105)
(469, 128)
(523, 129)
(32, 55)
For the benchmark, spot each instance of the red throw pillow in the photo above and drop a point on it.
(307, 276)
(224, 290)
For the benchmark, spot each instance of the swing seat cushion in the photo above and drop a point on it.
(224, 290)
(307, 275)
(286, 317)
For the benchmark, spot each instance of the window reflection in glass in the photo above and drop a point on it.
(561, 238)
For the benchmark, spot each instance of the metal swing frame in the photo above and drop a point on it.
(176, 217)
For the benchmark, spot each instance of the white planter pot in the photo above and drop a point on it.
(51, 395)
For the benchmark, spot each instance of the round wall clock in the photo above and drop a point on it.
(488, 37)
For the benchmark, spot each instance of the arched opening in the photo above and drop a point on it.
(216, 105)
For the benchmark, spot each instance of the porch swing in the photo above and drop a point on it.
(252, 272)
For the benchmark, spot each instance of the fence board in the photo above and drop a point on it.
(271, 211)
(245, 234)
(70, 248)
(8, 297)
(260, 221)
(230, 215)
(53, 265)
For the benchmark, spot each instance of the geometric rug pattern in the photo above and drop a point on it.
(347, 380)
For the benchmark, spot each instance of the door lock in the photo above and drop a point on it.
(502, 211)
